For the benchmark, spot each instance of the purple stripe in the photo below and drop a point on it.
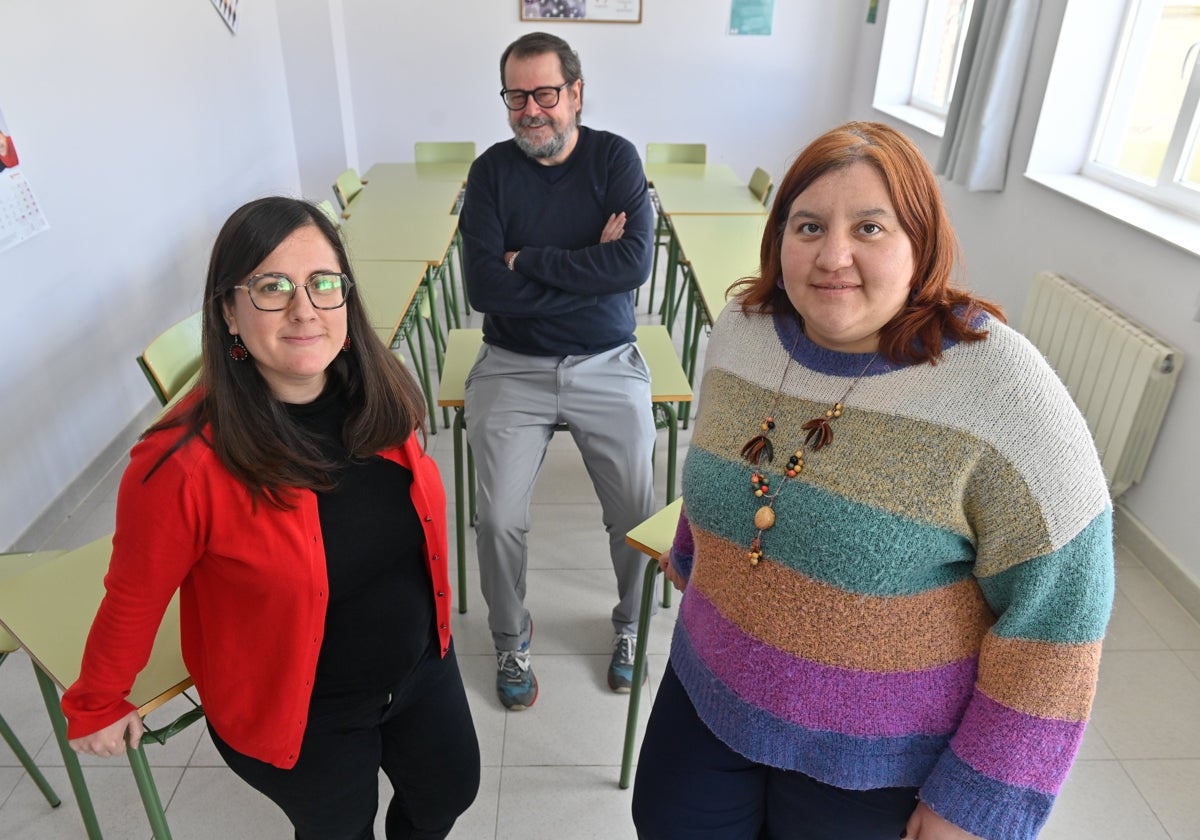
(825, 697)
(1016, 748)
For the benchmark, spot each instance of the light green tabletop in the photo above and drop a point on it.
(385, 173)
(49, 608)
(395, 233)
(701, 188)
(719, 250)
(655, 535)
(387, 288)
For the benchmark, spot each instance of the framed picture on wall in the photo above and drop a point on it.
(595, 11)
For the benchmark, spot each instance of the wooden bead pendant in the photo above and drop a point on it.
(764, 518)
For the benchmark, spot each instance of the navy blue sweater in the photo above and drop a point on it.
(569, 294)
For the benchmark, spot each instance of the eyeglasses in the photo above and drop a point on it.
(273, 292)
(545, 97)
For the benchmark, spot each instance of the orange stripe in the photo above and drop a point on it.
(822, 623)
(1056, 681)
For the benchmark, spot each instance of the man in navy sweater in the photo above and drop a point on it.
(558, 235)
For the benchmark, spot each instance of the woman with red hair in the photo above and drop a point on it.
(896, 545)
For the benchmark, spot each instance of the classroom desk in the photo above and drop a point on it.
(652, 538)
(47, 602)
(391, 292)
(712, 252)
(668, 384)
(702, 188)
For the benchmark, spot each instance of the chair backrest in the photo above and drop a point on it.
(448, 152)
(760, 185)
(347, 185)
(172, 360)
(327, 207)
(676, 153)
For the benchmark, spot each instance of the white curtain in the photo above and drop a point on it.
(983, 113)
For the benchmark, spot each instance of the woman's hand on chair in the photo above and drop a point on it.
(669, 571)
(111, 740)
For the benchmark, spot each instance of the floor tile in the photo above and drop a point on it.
(553, 803)
(214, 802)
(1128, 629)
(1165, 614)
(1100, 802)
(1148, 705)
(1172, 787)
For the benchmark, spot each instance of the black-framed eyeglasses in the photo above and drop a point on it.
(273, 292)
(545, 97)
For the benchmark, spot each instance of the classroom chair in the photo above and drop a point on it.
(668, 153)
(444, 152)
(760, 185)
(172, 359)
(327, 208)
(47, 603)
(345, 188)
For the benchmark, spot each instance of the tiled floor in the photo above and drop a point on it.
(551, 772)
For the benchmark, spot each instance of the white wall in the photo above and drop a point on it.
(1007, 237)
(430, 71)
(141, 125)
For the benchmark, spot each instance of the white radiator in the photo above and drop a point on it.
(1120, 375)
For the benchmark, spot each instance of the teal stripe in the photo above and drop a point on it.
(1063, 596)
(814, 537)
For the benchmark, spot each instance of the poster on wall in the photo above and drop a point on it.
(228, 10)
(603, 11)
(20, 216)
(751, 17)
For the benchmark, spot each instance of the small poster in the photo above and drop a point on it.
(228, 10)
(20, 216)
(751, 17)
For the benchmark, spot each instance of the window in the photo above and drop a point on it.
(922, 47)
(942, 40)
(1146, 138)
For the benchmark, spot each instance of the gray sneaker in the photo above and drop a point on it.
(515, 683)
(620, 667)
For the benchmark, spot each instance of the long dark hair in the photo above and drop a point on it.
(249, 429)
(936, 307)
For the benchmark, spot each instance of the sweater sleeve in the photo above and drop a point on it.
(1044, 563)
(683, 548)
(491, 287)
(155, 544)
(610, 267)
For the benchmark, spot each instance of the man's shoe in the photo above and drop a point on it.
(620, 667)
(515, 683)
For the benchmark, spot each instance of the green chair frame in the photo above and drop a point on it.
(172, 359)
(760, 185)
(346, 187)
(7, 645)
(452, 151)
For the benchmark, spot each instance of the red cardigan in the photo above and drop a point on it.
(252, 587)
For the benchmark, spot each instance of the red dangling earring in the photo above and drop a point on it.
(238, 351)
(346, 344)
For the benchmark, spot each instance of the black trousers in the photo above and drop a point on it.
(421, 735)
(690, 786)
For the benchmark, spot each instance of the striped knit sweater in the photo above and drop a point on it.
(930, 605)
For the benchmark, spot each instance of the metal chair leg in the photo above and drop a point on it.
(149, 793)
(639, 669)
(83, 799)
(27, 762)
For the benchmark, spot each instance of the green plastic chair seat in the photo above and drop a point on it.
(172, 360)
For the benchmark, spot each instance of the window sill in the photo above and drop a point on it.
(1171, 227)
(923, 120)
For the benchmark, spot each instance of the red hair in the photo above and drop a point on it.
(936, 309)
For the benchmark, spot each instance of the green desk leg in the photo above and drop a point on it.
(149, 793)
(460, 514)
(74, 772)
(639, 669)
(669, 280)
(426, 382)
(672, 446)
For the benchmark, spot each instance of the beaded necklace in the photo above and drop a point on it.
(759, 448)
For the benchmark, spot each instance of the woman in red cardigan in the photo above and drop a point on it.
(290, 502)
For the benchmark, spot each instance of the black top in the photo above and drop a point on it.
(380, 615)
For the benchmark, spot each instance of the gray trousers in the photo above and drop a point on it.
(513, 402)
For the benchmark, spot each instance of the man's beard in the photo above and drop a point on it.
(550, 148)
